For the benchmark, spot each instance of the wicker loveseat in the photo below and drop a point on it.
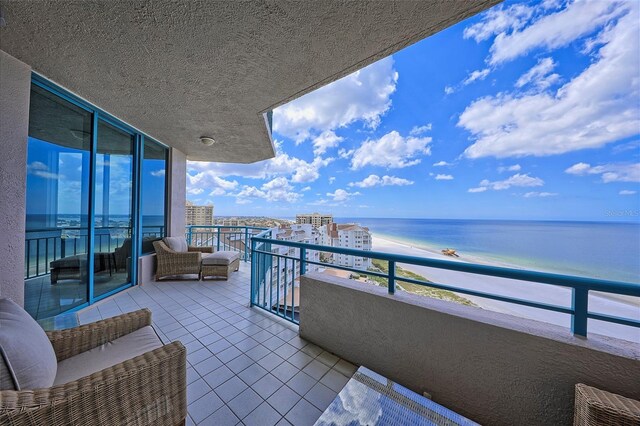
(148, 389)
(180, 260)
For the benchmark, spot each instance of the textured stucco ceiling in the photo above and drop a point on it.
(181, 69)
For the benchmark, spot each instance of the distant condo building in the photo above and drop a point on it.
(314, 219)
(351, 236)
(198, 215)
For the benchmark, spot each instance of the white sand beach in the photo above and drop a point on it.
(625, 307)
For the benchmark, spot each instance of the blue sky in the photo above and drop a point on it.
(530, 110)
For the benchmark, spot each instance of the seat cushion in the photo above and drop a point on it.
(107, 355)
(177, 244)
(220, 258)
(27, 359)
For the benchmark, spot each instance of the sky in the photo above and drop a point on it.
(530, 110)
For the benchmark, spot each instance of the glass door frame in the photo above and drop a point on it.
(98, 115)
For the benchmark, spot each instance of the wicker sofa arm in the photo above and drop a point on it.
(72, 341)
(150, 389)
(201, 249)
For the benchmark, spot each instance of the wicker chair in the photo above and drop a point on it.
(597, 407)
(150, 389)
(172, 263)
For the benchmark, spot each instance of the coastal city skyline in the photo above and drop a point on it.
(475, 135)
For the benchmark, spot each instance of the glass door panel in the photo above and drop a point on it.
(152, 194)
(57, 219)
(113, 255)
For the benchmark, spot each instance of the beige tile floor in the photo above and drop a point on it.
(245, 366)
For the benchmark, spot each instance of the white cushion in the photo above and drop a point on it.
(27, 358)
(177, 244)
(107, 355)
(220, 258)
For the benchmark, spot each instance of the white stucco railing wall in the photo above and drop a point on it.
(493, 368)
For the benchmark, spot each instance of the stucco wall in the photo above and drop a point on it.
(494, 368)
(15, 82)
(178, 191)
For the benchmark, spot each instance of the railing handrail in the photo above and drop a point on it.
(227, 226)
(594, 284)
(580, 286)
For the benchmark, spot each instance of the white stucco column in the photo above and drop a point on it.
(15, 84)
(177, 193)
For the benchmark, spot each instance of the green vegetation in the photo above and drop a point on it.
(383, 267)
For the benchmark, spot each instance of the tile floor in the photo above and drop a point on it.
(245, 366)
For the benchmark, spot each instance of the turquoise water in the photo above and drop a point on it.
(603, 250)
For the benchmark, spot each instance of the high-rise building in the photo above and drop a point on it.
(315, 219)
(198, 215)
(351, 236)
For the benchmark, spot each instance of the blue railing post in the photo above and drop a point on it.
(254, 272)
(392, 277)
(218, 245)
(580, 306)
(246, 239)
(189, 235)
(303, 261)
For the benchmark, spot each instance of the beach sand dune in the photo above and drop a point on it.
(555, 295)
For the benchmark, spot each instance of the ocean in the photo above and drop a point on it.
(605, 250)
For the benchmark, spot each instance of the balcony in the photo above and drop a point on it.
(451, 351)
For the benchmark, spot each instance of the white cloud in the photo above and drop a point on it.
(539, 194)
(208, 181)
(597, 107)
(518, 180)
(540, 75)
(364, 96)
(478, 189)
(444, 177)
(514, 168)
(554, 31)
(327, 139)
(633, 145)
(158, 173)
(476, 75)
(343, 153)
(419, 130)
(310, 172)
(305, 189)
(442, 164)
(201, 174)
(608, 172)
(578, 169)
(40, 169)
(332, 179)
(340, 195)
(375, 180)
(277, 189)
(449, 90)
(392, 151)
(498, 20)
(627, 192)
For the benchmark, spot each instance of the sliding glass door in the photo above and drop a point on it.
(95, 202)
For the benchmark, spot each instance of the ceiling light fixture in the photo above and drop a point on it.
(207, 140)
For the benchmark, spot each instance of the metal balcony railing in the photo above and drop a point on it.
(223, 237)
(274, 275)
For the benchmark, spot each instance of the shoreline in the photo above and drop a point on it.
(555, 295)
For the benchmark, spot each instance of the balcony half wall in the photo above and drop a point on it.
(493, 368)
